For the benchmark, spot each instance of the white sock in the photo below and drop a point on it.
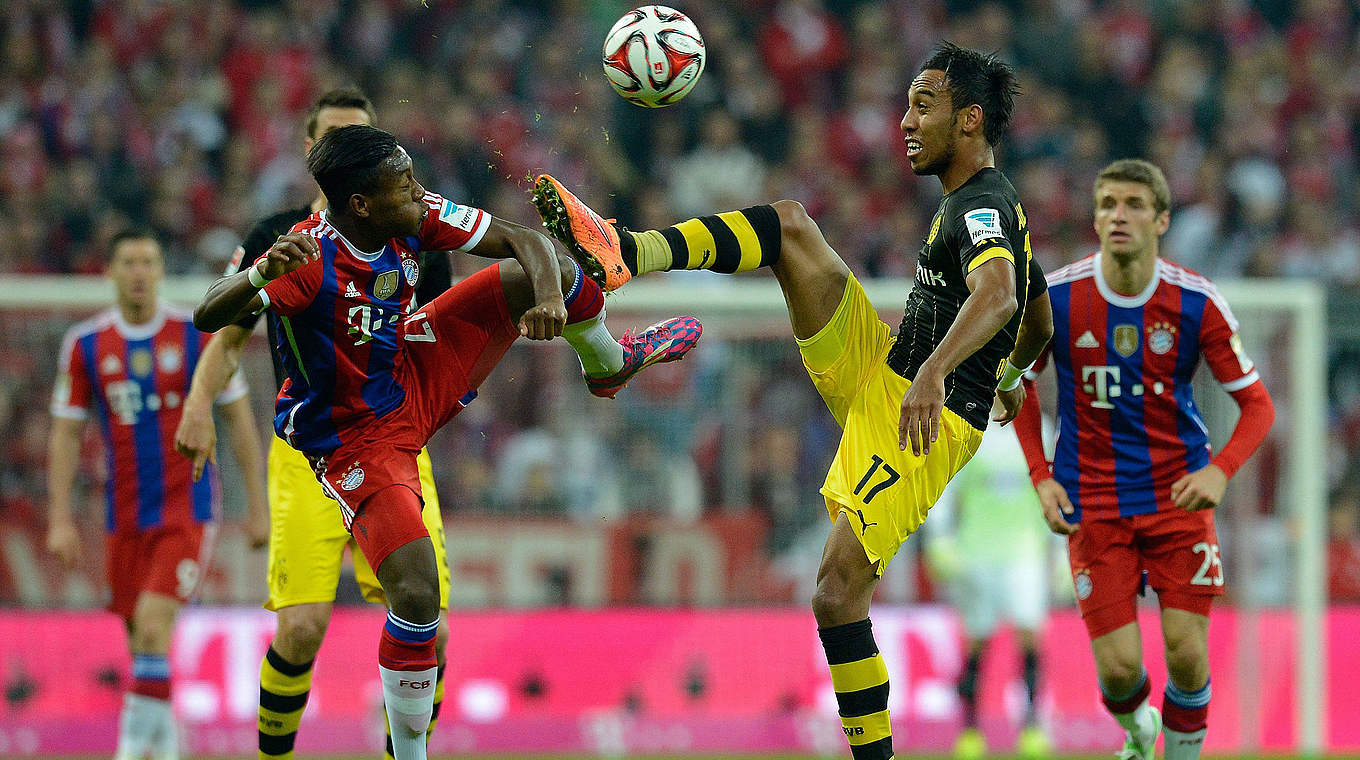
(1139, 723)
(138, 724)
(409, 696)
(1181, 746)
(165, 746)
(601, 355)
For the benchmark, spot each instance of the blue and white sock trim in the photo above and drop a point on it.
(1125, 697)
(575, 289)
(411, 633)
(151, 667)
(1190, 700)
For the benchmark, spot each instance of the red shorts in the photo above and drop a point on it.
(448, 347)
(168, 561)
(1177, 549)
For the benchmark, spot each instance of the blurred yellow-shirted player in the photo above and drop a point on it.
(306, 535)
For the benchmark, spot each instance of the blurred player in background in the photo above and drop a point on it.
(989, 546)
(370, 380)
(131, 366)
(1133, 481)
(932, 386)
(306, 540)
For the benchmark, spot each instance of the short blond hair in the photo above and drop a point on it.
(1144, 173)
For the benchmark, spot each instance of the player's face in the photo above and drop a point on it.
(1127, 222)
(397, 207)
(334, 117)
(929, 126)
(136, 269)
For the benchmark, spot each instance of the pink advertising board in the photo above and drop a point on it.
(635, 681)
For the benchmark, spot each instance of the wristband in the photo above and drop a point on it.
(256, 279)
(1010, 377)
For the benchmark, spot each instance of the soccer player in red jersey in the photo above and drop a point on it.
(1133, 481)
(369, 380)
(131, 366)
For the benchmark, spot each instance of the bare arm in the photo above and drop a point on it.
(245, 447)
(234, 296)
(63, 456)
(196, 436)
(537, 257)
(1036, 329)
(991, 301)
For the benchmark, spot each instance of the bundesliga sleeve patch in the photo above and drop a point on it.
(462, 217)
(983, 223)
(234, 265)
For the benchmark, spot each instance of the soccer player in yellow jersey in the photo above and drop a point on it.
(912, 407)
(306, 537)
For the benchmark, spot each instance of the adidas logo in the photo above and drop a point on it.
(1087, 340)
(353, 292)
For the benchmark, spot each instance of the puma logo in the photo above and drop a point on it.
(707, 255)
(862, 520)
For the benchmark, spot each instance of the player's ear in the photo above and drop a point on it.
(1163, 222)
(358, 205)
(971, 122)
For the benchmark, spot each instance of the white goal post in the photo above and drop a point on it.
(743, 304)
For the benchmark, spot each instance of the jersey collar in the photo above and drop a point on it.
(141, 331)
(352, 248)
(1114, 298)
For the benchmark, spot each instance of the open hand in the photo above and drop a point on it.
(921, 408)
(196, 438)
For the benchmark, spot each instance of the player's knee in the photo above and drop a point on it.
(795, 225)
(414, 598)
(1120, 671)
(1186, 657)
(835, 602)
(299, 637)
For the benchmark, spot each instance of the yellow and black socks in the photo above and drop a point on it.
(861, 682)
(1031, 659)
(283, 696)
(967, 687)
(434, 715)
(733, 241)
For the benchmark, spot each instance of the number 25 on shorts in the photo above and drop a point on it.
(879, 476)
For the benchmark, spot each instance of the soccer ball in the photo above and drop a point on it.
(653, 56)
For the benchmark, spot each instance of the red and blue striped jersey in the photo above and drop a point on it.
(338, 320)
(1128, 426)
(135, 378)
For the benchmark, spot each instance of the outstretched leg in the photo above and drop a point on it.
(780, 236)
(607, 364)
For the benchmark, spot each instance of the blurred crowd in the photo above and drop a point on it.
(187, 116)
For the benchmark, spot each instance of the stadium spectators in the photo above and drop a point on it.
(183, 116)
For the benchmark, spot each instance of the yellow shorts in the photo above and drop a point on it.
(307, 538)
(884, 491)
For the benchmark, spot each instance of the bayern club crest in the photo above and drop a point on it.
(1161, 338)
(1082, 581)
(411, 271)
(353, 479)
